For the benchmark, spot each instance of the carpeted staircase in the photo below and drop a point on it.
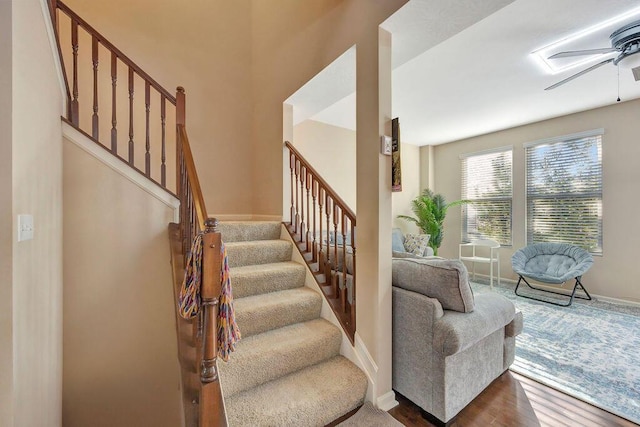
(287, 369)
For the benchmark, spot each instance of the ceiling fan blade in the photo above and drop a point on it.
(636, 73)
(585, 71)
(582, 52)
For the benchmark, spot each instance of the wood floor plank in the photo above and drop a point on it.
(513, 400)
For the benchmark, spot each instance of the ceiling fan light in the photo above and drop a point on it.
(629, 62)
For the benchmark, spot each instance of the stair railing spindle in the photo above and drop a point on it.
(343, 289)
(352, 314)
(94, 62)
(163, 122)
(327, 265)
(292, 166)
(131, 89)
(314, 247)
(336, 285)
(114, 117)
(147, 110)
(75, 110)
(321, 198)
(306, 236)
(303, 177)
(295, 227)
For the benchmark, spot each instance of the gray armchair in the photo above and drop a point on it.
(448, 345)
(553, 263)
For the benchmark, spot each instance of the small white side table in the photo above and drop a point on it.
(488, 248)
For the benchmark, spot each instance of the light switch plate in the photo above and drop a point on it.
(25, 227)
(385, 145)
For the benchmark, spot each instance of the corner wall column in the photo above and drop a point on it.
(373, 204)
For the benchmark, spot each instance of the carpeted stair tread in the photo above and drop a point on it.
(261, 313)
(259, 279)
(242, 231)
(313, 396)
(267, 356)
(258, 252)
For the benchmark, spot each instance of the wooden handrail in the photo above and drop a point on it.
(319, 217)
(193, 221)
(199, 205)
(53, 10)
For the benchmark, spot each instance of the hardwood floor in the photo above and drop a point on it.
(516, 401)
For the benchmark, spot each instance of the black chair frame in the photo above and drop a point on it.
(573, 295)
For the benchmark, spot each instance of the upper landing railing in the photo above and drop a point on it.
(116, 103)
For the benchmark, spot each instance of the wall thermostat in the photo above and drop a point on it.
(385, 145)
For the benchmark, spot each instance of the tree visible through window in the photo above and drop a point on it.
(487, 184)
(564, 191)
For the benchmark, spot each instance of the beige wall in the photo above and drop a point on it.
(120, 351)
(612, 273)
(331, 150)
(37, 190)
(401, 201)
(204, 46)
(6, 218)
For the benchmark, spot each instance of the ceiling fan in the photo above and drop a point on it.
(625, 41)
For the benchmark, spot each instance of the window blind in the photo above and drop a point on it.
(564, 192)
(487, 183)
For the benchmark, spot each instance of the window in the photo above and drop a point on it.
(564, 190)
(486, 181)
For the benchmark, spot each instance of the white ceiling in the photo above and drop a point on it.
(464, 67)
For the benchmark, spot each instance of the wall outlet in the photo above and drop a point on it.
(385, 145)
(25, 227)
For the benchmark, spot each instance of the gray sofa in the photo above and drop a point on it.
(448, 345)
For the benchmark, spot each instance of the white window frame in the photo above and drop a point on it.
(567, 139)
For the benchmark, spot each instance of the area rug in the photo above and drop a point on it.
(370, 416)
(590, 350)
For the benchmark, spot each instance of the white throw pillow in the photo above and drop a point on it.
(417, 244)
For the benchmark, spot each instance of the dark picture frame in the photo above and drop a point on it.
(396, 167)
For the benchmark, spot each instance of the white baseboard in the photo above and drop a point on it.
(370, 368)
(612, 300)
(369, 365)
(387, 401)
(123, 169)
(246, 217)
(277, 218)
(365, 362)
(232, 217)
(616, 300)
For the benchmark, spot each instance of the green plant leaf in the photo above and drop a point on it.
(430, 211)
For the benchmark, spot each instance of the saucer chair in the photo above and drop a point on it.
(552, 263)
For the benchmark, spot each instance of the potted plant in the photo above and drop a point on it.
(430, 210)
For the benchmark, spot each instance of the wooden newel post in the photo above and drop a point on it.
(211, 404)
(180, 106)
(211, 266)
(211, 286)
